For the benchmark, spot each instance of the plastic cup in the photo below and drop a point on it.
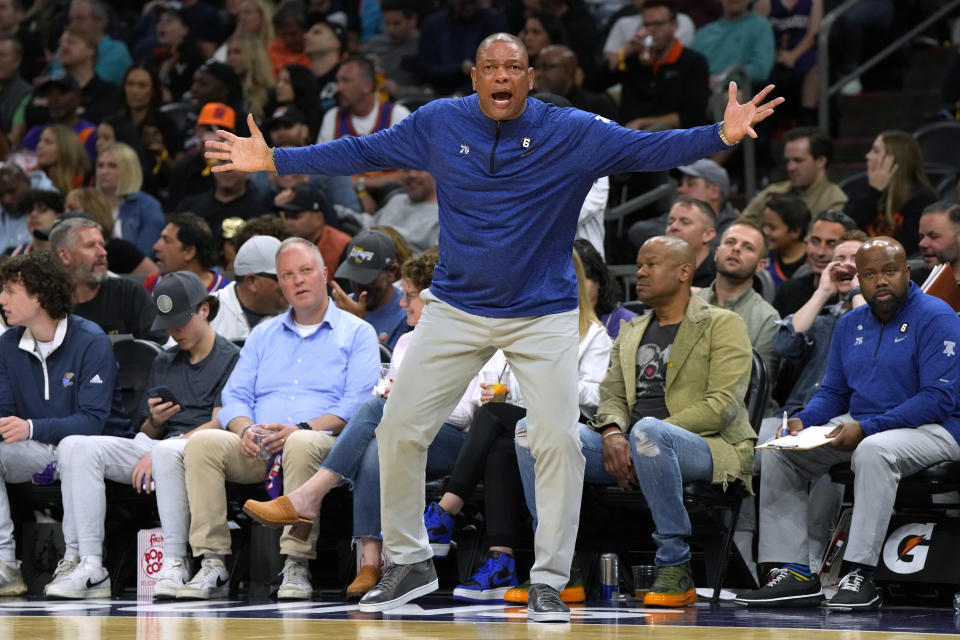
(643, 577)
(385, 380)
(492, 380)
(259, 433)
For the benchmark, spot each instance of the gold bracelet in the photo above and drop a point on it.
(723, 138)
(621, 60)
(362, 194)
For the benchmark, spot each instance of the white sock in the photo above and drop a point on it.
(93, 561)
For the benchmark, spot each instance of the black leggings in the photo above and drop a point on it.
(489, 451)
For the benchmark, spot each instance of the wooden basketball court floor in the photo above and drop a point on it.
(440, 618)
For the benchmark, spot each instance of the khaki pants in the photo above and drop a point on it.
(213, 457)
(446, 351)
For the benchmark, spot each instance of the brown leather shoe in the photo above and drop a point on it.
(279, 513)
(367, 578)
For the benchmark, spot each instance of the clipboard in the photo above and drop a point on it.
(808, 438)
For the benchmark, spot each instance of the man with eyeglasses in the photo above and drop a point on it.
(254, 296)
(665, 84)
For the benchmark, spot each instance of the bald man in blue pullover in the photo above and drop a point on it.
(499, 205)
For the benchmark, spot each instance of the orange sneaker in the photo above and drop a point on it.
(673, 587)
(572, 593)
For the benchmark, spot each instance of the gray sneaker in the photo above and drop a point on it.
(784, 588)
(399, 584)
(11, 580)
(545, 605)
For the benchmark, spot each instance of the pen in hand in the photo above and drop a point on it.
(783, 427)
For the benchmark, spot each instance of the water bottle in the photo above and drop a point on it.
(956, 602)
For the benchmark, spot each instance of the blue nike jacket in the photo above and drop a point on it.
(73, 391)
(897, 375)
(509, 191)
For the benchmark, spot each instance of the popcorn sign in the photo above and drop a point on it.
(150, 554)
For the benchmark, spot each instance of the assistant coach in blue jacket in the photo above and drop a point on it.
(512, 174)
(891, 392)
(58, 377)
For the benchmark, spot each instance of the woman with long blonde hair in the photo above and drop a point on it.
(254, 17)
(137, 216)
(897, 193)
(248, 57)
(62, 156)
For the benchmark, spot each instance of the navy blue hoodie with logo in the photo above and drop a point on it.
(74, 391)
(509, 191)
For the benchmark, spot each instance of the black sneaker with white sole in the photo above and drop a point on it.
(399, 584)
(784, 588)
(544, 605)
(856, 592)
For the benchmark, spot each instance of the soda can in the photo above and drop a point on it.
(609, 576)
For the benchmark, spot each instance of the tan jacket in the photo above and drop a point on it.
(818, 197)
(707, 379)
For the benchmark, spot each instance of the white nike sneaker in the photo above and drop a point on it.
(65, 567)
(173, 575)
(211, 582)
(11, 580)
(296, 582)
(86, 581)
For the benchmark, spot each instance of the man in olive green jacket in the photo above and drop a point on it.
(671, 408)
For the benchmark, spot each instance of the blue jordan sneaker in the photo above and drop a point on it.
(440, 525)
(491, 581)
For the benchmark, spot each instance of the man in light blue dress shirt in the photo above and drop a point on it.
(299, 379)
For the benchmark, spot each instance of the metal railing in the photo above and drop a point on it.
(823, 53)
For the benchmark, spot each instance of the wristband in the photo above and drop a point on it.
(273, 159)
(305, 426)
(363, 193)
(723, 138)
(612, 433)
(856, 291)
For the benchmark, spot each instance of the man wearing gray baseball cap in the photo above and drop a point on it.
(182, 397)
(254, 295)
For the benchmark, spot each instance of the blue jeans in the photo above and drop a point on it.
(354, 457)
(672, 456)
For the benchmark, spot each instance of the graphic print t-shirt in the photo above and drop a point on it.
(652, 358)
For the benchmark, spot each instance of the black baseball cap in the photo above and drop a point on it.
(369, 253)
(287, 115)
(177, 295)
(307, 198)
(60, 79)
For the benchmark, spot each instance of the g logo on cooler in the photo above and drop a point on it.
(164, 303)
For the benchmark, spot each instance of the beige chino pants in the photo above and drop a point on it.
(447, 349)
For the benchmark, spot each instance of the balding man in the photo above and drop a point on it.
(512, 173)
(939, 238)
(890, 393)
(656, 435)
(557, 68)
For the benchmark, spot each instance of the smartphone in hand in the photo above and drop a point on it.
(163, 392)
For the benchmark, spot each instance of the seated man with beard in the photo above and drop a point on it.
(891, 393)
